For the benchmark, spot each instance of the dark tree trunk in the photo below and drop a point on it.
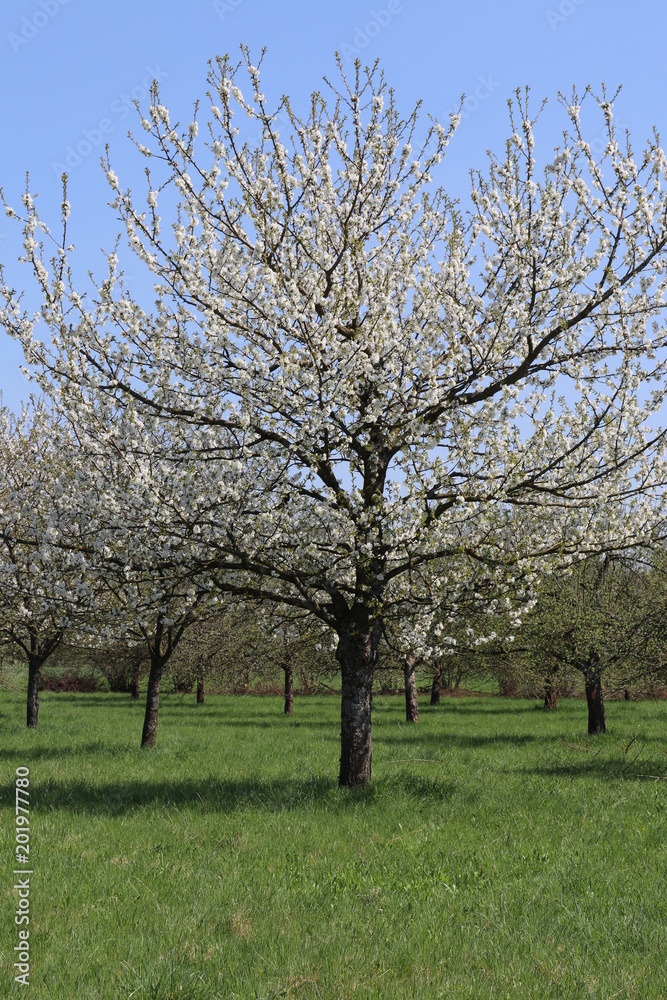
(626, 695)
(357, 654)
(411, 705)
(435, 687)
(149, 734)
(289, 688)
(34, 670)
(549, 693)
(136, 680)
(594, 698)
(200, 688)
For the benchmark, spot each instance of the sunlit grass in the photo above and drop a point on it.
(499, 851)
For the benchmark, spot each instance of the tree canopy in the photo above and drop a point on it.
(367, 379)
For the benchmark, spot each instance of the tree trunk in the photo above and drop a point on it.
(289, 688)
(549, 693)
(200, 688)
(34, 670)
(357, 655)
(149, 734)
(136, 680)
(411, 705)
(594, 698)
(435, 687)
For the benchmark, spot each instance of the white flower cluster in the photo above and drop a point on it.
(346, 390)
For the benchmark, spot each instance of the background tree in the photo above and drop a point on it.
(136, 495)
(44, 593)
(591, 621)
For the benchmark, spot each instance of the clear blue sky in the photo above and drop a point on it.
(69, 68)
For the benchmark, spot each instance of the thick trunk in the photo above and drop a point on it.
(200, 688)
(411, 706)
(357, 654)
(435, 687)
(289, 688)
(34, 670)
(595, 700)
(136, 680)
(549, 693)
(149, 734)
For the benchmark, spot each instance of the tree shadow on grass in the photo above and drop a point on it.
(488, 705)
(275, 722)
(49, 698)
(415, 786)
(409, 736)
(603, 766)
(222, 795)
(79, 750)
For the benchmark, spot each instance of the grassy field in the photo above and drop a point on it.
(498, 853)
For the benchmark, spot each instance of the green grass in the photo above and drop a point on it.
(499, 852)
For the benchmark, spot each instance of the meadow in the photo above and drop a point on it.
(498, 852)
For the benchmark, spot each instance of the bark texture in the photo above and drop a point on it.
(149, 734)
(161, 645)
(34, 671)
(549, 693)
(435, 686)
(289, 688)
(200, 688)
(411, 705)
(357, 655)
(38, 653)
(594, 697)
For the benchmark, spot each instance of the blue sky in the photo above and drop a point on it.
(69, 70)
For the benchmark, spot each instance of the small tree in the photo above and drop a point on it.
(43, 581)
(591, 621)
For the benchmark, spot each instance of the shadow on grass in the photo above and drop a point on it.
(227, 795)
(409, 735)
(274, 722)
(102, 700)
(489, 705)
(80, 750)
(651, 767)
(609, 770)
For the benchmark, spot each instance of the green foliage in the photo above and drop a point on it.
(238, 650)
(496, 852)
(604, 612)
